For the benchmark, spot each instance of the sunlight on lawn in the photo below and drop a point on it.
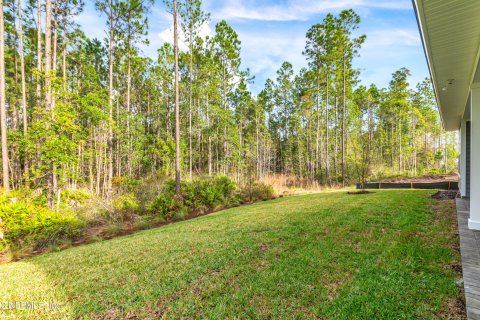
(328, 255)
(35, 293)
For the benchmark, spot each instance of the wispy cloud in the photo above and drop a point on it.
(271, 47)
(166, 35)
(389, 49)
(384, 51)
(273, 31)
(392, 37)
(298, 9)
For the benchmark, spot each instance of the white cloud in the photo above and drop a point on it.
(205, 30)
(392, 37)
(166, 35)
(264, 53)
(298, 9)
(387, 50)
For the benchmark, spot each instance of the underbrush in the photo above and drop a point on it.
(196, 196)
(29, 228)
(258, 191)
(284, 184)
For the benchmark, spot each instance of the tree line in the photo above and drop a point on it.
(81, 112)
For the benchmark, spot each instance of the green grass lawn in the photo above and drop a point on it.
(386, 255)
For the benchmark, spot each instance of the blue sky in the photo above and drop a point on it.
(274, 31)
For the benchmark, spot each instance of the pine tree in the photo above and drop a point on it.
(3, 112)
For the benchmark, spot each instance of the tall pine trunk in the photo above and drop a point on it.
(129, 86)
(327, 156)
(55, 41)
(39, 50)
(3, 111)
(110, 104)
(190, 153)
(177, 106)
(209, 139)
(23, 84)
(64, 52)
(51, 181)
(343, 120)
(317, 136)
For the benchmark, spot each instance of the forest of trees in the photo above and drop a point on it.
(81, 112)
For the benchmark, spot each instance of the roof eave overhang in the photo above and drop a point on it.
(451, 99)
(426, 44)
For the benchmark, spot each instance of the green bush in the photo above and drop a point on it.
(208, 193)
(179, 215)
(123, 183)
(36, 227)
(147, 191)
(123, 208)
(257, 192)
(197, 195)
(125, 203)
(74, 197)
(166, 203)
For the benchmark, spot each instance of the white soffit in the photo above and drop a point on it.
(450, 32)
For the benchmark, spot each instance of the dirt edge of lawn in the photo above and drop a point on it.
(98, 234)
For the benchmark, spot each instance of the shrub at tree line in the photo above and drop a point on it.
(29, 226)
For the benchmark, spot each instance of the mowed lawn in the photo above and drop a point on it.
(387, 255)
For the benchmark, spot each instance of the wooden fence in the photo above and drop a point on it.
(442, 185)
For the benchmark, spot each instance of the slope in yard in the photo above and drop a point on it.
(390, 254)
